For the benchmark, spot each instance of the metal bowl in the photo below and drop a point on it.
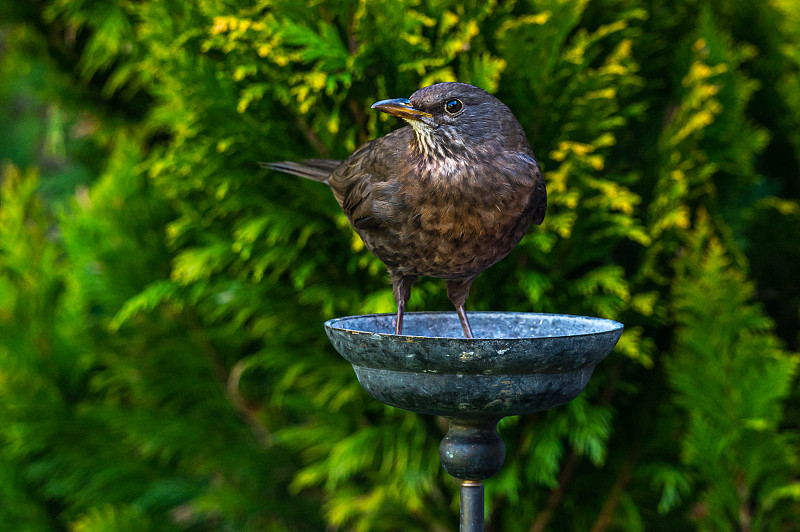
(520, 363)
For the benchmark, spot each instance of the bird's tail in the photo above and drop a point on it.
(314, 169)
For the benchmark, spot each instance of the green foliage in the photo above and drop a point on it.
(162, 363)
(731, 377)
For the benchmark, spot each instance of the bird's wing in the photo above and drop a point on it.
(539, 196)
(366, 185)
(527, 175)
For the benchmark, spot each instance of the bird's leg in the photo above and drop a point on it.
(457, 291)
(401, 287)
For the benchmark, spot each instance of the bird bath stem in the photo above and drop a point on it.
(471, 506)
(518, 363)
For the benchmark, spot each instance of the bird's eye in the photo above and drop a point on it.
(453, 106)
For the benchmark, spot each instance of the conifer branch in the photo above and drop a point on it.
(229, 381)
(312, 137)
(554, 499)
(557, 494)
(249, 414)
(606, 515)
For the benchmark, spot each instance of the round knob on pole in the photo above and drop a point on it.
(472, 450)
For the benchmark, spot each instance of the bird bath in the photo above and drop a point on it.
(518, 363)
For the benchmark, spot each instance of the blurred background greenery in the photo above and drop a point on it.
(162, 360)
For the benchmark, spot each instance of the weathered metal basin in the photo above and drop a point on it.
(518, 363)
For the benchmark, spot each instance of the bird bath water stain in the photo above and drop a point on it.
(518, 363)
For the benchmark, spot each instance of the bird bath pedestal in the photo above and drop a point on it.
(518, 363)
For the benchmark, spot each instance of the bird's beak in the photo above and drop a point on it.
(402, 108)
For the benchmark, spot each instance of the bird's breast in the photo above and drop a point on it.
(460, 197)
(455, 223)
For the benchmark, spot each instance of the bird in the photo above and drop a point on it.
(446, 196)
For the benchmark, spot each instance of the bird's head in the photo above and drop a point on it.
(452, 117)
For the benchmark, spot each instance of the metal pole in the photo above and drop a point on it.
(471, 506)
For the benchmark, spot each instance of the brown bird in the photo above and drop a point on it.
(446, 197)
